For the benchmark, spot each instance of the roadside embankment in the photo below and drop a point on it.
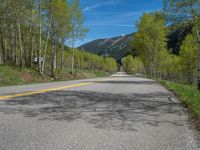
(16, 76)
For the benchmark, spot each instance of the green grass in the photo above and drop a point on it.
(188, 94)
(100, 74)
(10, 75)
(97, 73)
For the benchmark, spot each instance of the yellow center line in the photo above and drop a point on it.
(5, 97)
(43, 91)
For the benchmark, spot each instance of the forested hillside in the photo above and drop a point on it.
(177, 34)
(33, 34)
(116, 47)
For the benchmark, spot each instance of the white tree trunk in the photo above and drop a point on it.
(40, 40)
(22, 61)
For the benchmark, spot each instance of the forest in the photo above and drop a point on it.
(154, 57)
(34, 34)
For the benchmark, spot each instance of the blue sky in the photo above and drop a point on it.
(109, 18)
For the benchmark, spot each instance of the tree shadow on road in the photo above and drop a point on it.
(102, 110)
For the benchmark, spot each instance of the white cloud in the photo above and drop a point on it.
(111, 25)
(120, 19)
(110, 2)
(125, 25)
(92, 7)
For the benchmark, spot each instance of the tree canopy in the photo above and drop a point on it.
(34, 33)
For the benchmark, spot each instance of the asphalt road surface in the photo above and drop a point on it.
(116, 113)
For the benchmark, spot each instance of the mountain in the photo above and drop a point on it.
(116, 47)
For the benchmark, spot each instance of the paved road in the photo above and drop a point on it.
(117, 113)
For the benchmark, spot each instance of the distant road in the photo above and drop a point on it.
(116, 113)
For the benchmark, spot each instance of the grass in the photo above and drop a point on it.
(188, 94)
(10, 75)
(16, 76)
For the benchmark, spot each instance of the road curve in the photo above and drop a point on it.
(115, 113)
